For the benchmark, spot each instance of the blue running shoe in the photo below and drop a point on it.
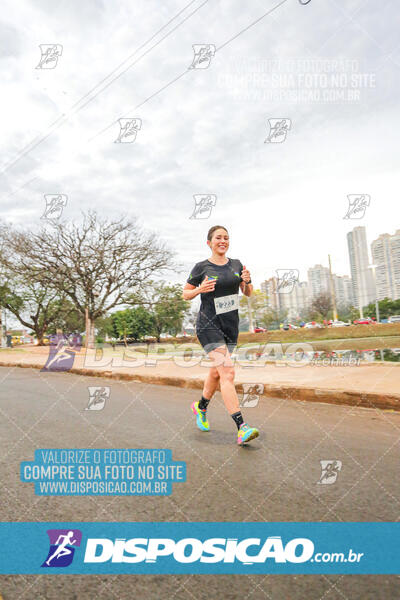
(246, 433)
(201, 419)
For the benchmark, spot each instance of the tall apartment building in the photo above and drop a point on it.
(297, 301)
(385, 253)
(343, 287)
(395, 251)
(269, 288)
(318, 281)
(294, 302)
(361, 275)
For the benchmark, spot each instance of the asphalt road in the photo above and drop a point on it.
(272, 479)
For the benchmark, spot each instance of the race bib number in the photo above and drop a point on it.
(226, 303)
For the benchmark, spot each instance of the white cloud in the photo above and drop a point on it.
(282, 203)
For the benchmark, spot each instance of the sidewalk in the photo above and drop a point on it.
(370, 385)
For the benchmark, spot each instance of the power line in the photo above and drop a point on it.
(172, 81)
(20, 188)
(252, 24)
(63, 118)
(141, 104)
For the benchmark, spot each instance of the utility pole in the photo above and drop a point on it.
(2, 339)
(335, 315)
(373, 267)
(251, 328)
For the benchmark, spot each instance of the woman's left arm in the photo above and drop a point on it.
(246, 285)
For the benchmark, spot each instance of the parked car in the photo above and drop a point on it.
(394, 319)
(312, 325)
(338, 324)
(364, 321)
(260, 330)
(287, 326)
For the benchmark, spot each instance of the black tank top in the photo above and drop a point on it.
(218, 309)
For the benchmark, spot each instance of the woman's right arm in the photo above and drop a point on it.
(190, 291)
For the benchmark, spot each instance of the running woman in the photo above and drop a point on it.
(218, 280)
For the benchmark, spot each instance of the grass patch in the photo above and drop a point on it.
(326, 333)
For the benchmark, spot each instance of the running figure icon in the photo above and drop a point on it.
(62, 549)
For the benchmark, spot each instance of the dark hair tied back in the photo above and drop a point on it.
(211, 231)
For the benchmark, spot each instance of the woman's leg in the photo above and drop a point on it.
(226, 372)
(222, 362)
(210, 383)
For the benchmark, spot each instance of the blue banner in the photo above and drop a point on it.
(148, 548)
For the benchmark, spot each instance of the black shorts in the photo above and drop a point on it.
(213, 338)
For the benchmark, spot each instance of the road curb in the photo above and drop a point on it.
(342, 397)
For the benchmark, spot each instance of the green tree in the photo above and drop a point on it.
(142, 323)
(164, 303)
(122, 320)
(133, 323)
(68, 318)
(258, 305)
(387, 307)
(273, 318)
(105, 327)
(35, 307)
(348, 313)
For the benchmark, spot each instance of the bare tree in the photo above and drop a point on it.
(95, 263)
(322, 304)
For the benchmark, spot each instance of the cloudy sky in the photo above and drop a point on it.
(331, 67)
